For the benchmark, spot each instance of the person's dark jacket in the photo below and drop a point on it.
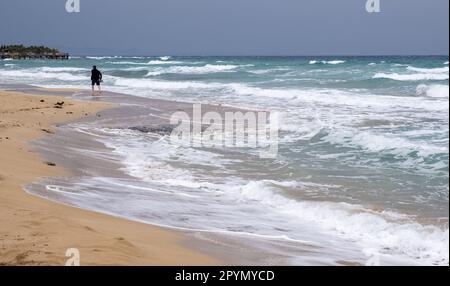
(96, 75)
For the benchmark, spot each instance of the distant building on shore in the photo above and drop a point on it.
(19, 52)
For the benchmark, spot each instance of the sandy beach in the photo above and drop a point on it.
(35, 231)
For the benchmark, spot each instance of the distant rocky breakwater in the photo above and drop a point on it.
(20, 52)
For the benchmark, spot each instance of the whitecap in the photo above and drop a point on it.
(387, 143)
(102, 57)
(162, 85)
(425, 244)
(412, 77)
(163, 62)
(435, 90)
(193, 69)
(334, 62)
(63, 69)
(428, 70)
(37, 75)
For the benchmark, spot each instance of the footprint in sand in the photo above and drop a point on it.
(89, 228)
(124, 242)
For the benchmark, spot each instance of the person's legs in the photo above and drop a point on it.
(94, 83)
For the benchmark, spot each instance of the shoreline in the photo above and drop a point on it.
(231, 248)
(135, 112)
(36, 231)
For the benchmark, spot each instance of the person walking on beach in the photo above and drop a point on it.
(96, 78)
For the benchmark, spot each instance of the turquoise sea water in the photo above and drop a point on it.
(363, 152)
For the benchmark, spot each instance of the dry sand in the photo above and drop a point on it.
(34, 231)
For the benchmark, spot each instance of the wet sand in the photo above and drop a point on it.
(35, 231)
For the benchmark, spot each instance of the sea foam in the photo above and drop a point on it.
(425, 244)
(412, 77)
(436, 90)
(192, 69)
(334, 62)
(384, 234)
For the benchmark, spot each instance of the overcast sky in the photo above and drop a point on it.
(229, 27)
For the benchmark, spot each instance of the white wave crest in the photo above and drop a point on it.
(418, 75)
(63, 69)
(373, 142)
(103, 57)
(412, 77)
(37, 75)
(338, 97)
(424, 244)
(164, 62)
(135, 69)
(436, 90)
(193, 70)
(425, 70)
(125, 63)
(335, 62)
(162, 85)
